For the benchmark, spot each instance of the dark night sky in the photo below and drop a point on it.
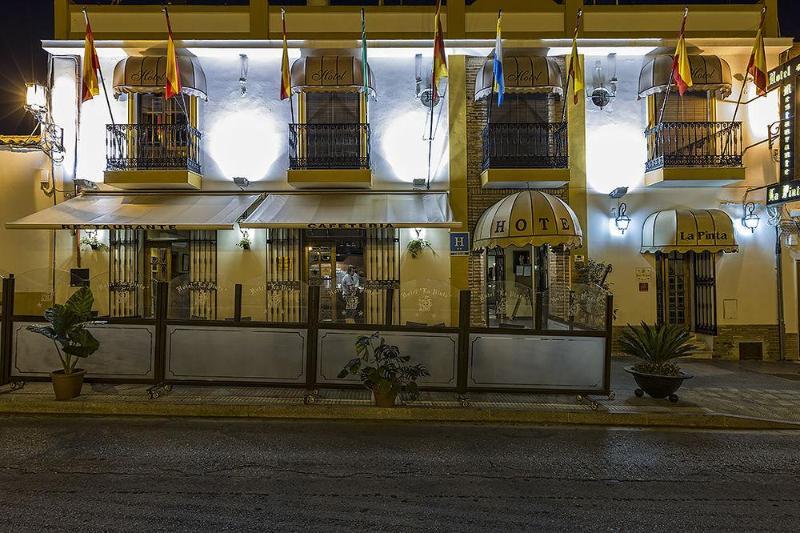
(22, 59)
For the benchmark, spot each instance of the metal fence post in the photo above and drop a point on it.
(162, 307)
(609, 340)
(7, 335)
(311, 338)
(462, 365)
(237, 302)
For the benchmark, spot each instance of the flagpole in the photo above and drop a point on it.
(181, 102)
(102, 79)
(566, 88)
(291, 101)
(672, 74)
(744, 82)
(434, 93)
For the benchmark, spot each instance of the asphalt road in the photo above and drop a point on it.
(206, 475)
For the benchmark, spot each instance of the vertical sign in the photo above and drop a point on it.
(786, 77)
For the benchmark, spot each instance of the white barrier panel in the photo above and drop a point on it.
(536, 362)
(126, 351)
(437, 351)
(253, 354)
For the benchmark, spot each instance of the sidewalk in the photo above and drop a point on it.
(723, 394)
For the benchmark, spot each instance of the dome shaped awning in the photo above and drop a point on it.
(148, 74)
(528, 218)
(709, 74)
(522, 74)
(688, 230)
(331, 73)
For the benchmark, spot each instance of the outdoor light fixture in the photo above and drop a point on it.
(243, 67)
(419, 184)
(621, 220)
(750, 219)
(51, 137)
(242, 183)
(618, 193)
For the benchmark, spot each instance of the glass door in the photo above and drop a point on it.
(321, 261)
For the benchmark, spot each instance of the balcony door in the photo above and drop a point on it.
(334, 137)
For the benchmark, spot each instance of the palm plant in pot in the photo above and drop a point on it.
(383, 370)
(67, 329)
(657, 347)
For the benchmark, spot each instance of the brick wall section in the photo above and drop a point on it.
(725, 343)
(480, 199)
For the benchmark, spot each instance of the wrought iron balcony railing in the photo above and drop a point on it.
(152, 147)
(318, 146)
(694, 144)
(533, 145)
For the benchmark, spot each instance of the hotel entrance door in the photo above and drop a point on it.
(335, 262)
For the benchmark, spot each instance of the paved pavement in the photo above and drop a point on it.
(722, 394)
(141, 474)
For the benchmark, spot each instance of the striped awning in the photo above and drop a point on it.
(688, 230)
(330, 73)
(521, 74)
(528, 218)
(141, 211)
(709, 74)
(148, 74)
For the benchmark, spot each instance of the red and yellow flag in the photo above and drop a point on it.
(286, 82)
(439, 55)
(89, 85)
(681, 69)
(757, 66)
(173, 85)
(575, 65)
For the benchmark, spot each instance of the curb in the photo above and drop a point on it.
(404, 414)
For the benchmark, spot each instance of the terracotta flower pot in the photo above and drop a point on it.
(384, 399)
(67, 386)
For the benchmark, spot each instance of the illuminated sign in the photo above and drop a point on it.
(786, 78)
(779, 193)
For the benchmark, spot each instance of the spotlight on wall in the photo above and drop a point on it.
(618, 193)
(750, 219)
(51, 137)
(242, 183)
(419, 184)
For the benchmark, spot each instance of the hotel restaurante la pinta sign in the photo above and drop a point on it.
(785, 78)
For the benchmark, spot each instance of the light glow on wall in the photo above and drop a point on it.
(762, 112)
(244, 143)
(405, 148)
(615, 156)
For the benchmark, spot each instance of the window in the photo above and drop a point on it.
(333, 108)
(525, 109)
(691, 107)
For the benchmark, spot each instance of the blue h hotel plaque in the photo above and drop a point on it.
(459, 244)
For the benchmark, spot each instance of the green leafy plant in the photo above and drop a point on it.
(657, 347)
(382, 369)
(67, 329)
(91, 240)
(244, 243)
(417, 246)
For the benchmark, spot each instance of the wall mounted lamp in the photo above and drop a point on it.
(750, 219)
(51, 137)
(621, 220)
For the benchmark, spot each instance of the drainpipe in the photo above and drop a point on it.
(779, 276)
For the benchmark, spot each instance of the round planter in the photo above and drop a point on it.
(657, 386)
(384, 400)
(67, 386)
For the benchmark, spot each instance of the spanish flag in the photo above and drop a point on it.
(173, 86)
(575, 65)
(681, 69)
(286, 89)
(757, 66)
(89, 85)
(439, 56)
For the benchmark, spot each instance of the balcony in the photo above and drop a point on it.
(700, 154)
(525, 155)
(329, 155)
(144, 156)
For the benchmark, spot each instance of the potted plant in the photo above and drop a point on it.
(418, 245)
(67, 329)
(383, 370)
(657, 347)
(244, 242)
(91, 240)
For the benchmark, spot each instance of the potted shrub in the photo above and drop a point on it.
(244, 243)
(91, 240)
(657, 347)
(67, 329)
(383, 370)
